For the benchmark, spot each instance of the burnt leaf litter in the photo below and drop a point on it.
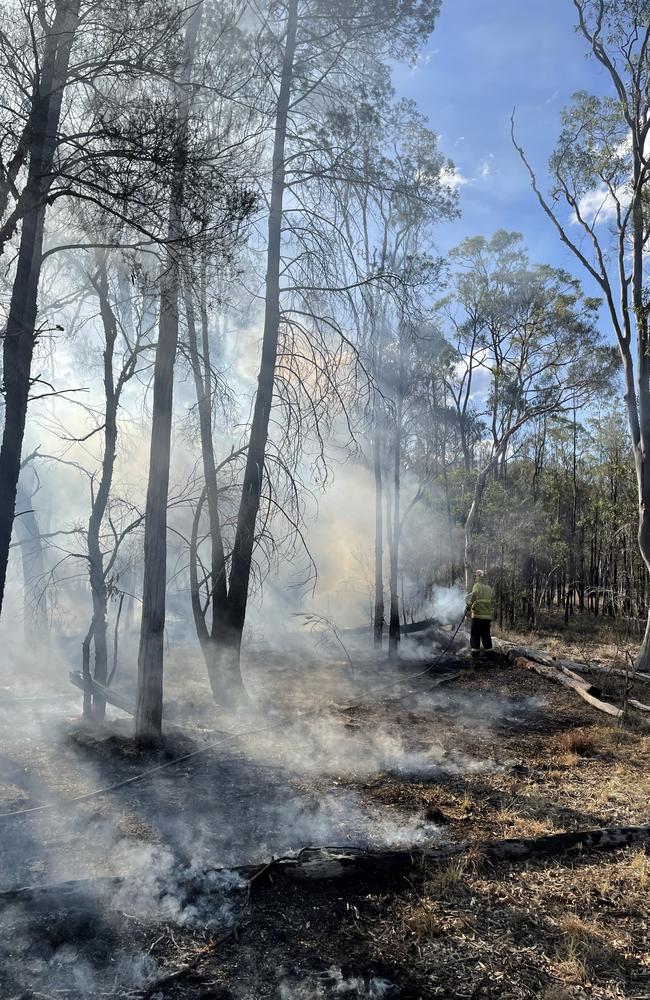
(133, 893)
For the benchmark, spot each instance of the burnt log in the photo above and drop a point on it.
(325, 863)
(328, 863)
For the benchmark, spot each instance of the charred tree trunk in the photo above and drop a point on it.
(98, 586)
(378, 615)
(226, 687)
(150, 657)
(242, 553)
(20, 333)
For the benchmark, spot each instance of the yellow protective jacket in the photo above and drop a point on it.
(479, 602)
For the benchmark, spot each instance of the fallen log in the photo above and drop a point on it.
(405, 629)
(325, 863)
(599, 668)
(577, 678)
(639, 705)
(576, 684)
(591, 693)
(539, 656)
(328, 863)
(112, 697)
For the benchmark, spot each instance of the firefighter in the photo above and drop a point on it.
(479, 604)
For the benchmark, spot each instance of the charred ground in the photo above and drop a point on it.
(497, 753)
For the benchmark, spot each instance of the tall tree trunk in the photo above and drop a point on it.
(20, 332)
(230, 688)
(642, 449)
(470, 522)
(242, 553)
(378, 613)
(148, 719)
(393, 625)
(643, 657)
(100, 497)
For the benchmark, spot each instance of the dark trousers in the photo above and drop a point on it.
(480, 633)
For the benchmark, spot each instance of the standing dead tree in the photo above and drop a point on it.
(150, 657)
(38, 144)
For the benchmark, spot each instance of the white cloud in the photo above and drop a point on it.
(452, 178)
(599, 205)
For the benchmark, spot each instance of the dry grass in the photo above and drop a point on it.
(444, 880)
(581, 937)
(579, 743)
(583, 951)
(516, 821)
(637, 869)
(424, 921)
(584, 638)
(572, 969)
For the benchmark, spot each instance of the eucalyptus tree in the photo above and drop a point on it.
(527, 337)
(314, 57)
(390, 215)
(150, 656)
(207, 206)
(417, 201)
(598, 204)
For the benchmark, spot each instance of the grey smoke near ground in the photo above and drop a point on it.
(243, 803)
(333, 982)
(329, 746)
(477, 711)
(86, 936)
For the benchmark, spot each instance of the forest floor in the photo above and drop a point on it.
(496, 752)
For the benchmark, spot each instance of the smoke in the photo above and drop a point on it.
(160, 853)
(334, 746)
(477, 711)
(88, 936)
(448, 604)
(333, 983)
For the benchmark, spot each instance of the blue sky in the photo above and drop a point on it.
(484, 58)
